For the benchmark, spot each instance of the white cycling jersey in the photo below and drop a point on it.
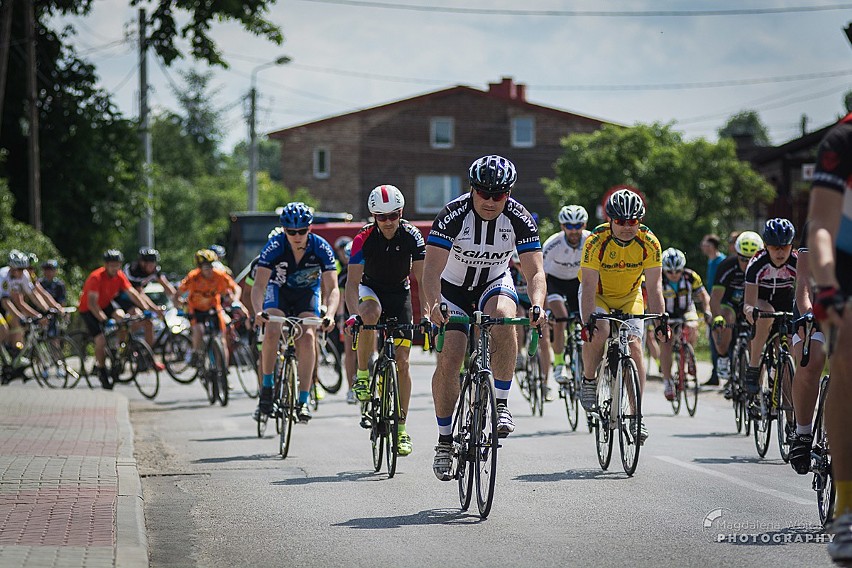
(561, 260)
(480, 250)
(22, 284)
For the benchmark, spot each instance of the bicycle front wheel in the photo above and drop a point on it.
(485, 443)
(690, 380)
(374, 415)
(462, 429)
(329, 367)
(286, 412)
(601, 422)
(48, 364)
(534, 384)
(145, 373)
(783, 404)
(569, 392)
(220, 370)
(823, 482)
(177, 356)
(390, 415)
(763, 403)
(676, 374)
(630, 416)
(246, 368)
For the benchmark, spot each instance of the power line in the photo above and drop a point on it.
(126, 78)
(587, 13)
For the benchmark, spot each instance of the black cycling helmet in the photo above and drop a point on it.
(492, 173)
(149, 254)
(113, 255)
(50, 263)
(778, 232)
(625, 204)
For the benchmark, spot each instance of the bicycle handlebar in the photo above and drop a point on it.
(483, 320)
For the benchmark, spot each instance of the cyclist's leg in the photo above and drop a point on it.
(838, 419)
(370, 310)
(762, 328)
(556, 304)
(499, 299)
(805, 393)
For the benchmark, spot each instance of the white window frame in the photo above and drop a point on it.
(316, 162)
(523, 143)
(448, 193)
(433, 131)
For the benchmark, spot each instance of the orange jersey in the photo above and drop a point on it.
(203, 293)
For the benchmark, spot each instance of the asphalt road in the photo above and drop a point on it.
(216, 495)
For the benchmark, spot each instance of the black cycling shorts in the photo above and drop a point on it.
(94, 326)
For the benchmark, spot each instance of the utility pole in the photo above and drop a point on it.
(252, 181)
(146, 226)
(5, 42)
(32, 103)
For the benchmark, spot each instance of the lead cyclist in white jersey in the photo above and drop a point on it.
(467, 267)
(562, 253)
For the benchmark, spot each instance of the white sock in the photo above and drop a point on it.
(803, 430)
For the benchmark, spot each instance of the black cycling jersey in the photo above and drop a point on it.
(138, 277)
(56, 288)
(387, 262)
(731, 278)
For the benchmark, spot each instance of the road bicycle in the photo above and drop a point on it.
(617, 376)
(743, 332)
(382, 411)
(570, 390)
(475, 439)
(53, 361)
(823, 481)
(285, 391)
(683, 368)
(531, 377)
(212, 365)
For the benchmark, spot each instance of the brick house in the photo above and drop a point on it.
(424, 145)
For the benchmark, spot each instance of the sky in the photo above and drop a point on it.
(636, 61)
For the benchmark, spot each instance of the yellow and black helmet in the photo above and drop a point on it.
(205, 256)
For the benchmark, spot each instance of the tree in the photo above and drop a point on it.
(746, 124)
(268, 157)
(847, 101)
(200, 122)
(692, 188)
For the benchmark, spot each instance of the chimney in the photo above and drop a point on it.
(508, 90)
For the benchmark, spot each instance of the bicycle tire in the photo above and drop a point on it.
(208, 378)
(75, 361)
(462, 426)
(48, 362)
(763, 425)
(287, 407)
(677, 368)
(601, 422)
(569, 392)
(374, 415)
(145, 373)
(220, 371)
(533, 381)
(390, 415)
(630, 417)
(177, 353)
(485, 444)
(329, 369)
(783, 404)
(87, 346)
(823, 481)
(739, 386)
(246, 368)
(690, 380)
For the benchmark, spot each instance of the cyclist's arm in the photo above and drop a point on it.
(654, 285)
(590, 278)
(95, 308)
(46, 299)
(532, 266)
(417, 271)
(803, 288)
(330, 292)
(19, 308)
(823, 221)
(258, 290)
(750, 300)
(353, 279)
(142, 301)
(716, 300)
(433, 266)
(702, 297)
(167, 286)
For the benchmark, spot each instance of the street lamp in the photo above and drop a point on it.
(252, 180)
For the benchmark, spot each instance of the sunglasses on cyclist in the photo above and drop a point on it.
(572, 226)
(393, 216)
(743, 257)
(486, 195)
(293, 232)
(628, 222)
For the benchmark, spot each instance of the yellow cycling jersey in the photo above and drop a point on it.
(620, 266)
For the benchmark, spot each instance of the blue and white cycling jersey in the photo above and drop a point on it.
(277, 256)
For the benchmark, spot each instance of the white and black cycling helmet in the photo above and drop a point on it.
(625, 204)
(275, 232)
(341, 242)
(573, 215)
(18, 259)
(495, 174)
(748, 243)
(113, 255)
(385, 199)
(673, 260)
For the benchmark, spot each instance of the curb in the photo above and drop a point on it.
(131, 540)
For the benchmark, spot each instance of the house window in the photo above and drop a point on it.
(322, 163)
(523, 132)
(433, 192)
(441, 132)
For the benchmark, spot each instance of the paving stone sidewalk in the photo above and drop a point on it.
(70, 493)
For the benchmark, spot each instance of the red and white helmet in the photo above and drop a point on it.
(385, 199)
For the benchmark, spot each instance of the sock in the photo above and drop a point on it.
(304, 396)
(400, 427)
(365, 374)
(803, 430)
(501, 389)
(843, 503)
(445, 427)
(267, 380)
(559, 359)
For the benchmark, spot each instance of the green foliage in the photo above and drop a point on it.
(268, 157)
(746, 123)
(692, 188)
(847, 101)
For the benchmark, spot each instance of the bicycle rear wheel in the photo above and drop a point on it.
(220, 367)
(485, 443)
(784, 405)
(177, 355)
(630, 416)
(48, 364)
(329, 367)
(462, 428)
(145, 373)
(823, 482)
(677, 369)
(246, 368)
(289, 392)
(690, 380)
(374, 414)
(390, 415)
(601, 422)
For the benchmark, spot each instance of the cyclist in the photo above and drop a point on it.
(770, 281)
(220, 252)
(726, 299)
(141, 272)
(51, 283)
(96, 306)
(467, 268)
(343, 251)
(561, 256)
(830, 253)
(616, 257)
(682, 288)
(296, 269)
(204, 286)
(384, 253)
(16, 288)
